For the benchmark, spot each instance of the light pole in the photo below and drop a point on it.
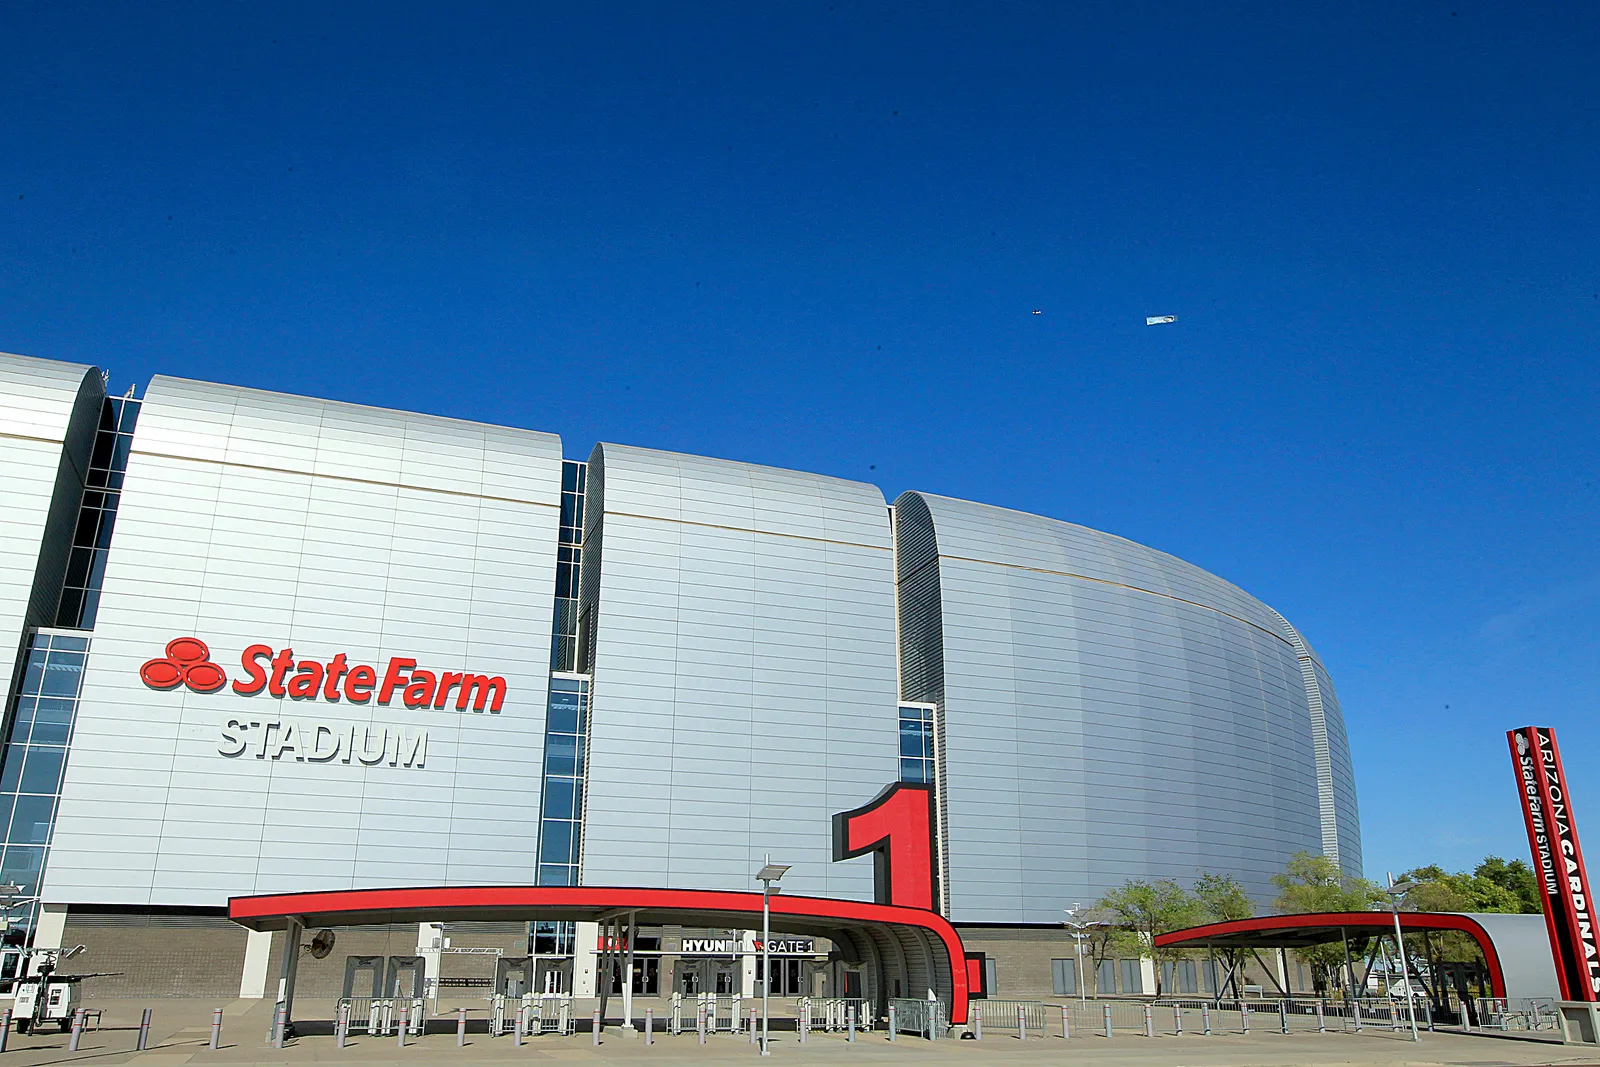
(1078, 935)
(1395, 891)
(767, 876)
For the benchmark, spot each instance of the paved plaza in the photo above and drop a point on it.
(182, 1027)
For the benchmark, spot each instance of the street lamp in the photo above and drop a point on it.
(766, 876)
(1395, 891)
(1078, 935)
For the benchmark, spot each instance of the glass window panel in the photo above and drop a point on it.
(24, 716)
(560, 796)
(78, 567)
(34, 676)
(43, 772)
(911, 742)
(62, 674)
(557, 874)
(101, 455)
(30, 823)
(21, 866)
(561, 755)
(130, 416)
(71, 607)
(555, 845)
(63, 643)
(119, 454)
(52, 721)
(11, 774)
(91, 608)
(911, 771)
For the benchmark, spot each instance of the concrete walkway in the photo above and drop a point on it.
(182, 1028)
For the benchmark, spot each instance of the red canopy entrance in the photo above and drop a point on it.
(892, 940)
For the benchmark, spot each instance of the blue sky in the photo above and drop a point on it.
(813, 235)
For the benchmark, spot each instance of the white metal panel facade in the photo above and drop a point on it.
(37, 399)
(250, 517)
(744, 672)
(1110, 712)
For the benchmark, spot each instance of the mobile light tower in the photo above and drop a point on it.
(1078, 935)
(1395, 891)
(767, 875)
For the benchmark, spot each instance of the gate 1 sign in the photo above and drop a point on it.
(1558, 861)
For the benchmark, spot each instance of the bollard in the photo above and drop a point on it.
(1177, 1019)
(977, 1022)
(280, 1025)
(77, 1030)
(1107, 1009)
(400, 1028)
(341, 1027)
(1358, 1016)
(649, 1026)
(1322, 1020)
(1283, 1018)
(1205, 1018)
(145, 1018)
(5, 1028)
(852, 1014)
(892, 1027)
(1244, 1016)
(752, 1027)
(594, 1029)
(516, 1029)
(461, 1027)
(805, 1018)
(1466, 1022)
(1149, 1021)
(1022, 1023)
(700, 1023)
(216, 1029)
(1066, 1024)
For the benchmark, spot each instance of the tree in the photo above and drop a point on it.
(1313, 883)
(1220, 898)
(1148, 909)
(1517, 878)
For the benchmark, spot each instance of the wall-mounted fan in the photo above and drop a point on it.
(321, 944)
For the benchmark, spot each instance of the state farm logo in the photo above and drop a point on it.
(279, 673)
(187, 662)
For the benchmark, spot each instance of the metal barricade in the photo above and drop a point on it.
(541, 1013)
(832, 1013)
(1091, 1017)
(722, 1012)
(377, 1016)
(1002, 1014)
(927, 1018)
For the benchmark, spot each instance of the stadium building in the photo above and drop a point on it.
(267, 644)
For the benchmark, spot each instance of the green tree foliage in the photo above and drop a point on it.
(1147, 909)
(1495, 885)
(1220, 898)
(1313, 883)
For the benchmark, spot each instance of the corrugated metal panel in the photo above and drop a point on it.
(1110, 712)
(744, 671)
(253, 517)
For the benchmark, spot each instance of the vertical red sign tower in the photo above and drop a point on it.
(1557, 861)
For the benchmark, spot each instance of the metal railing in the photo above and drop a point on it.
(832, 1014)
(924, 1017)
(378, 1016)
(1002, 1014)
(1526, 1014)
